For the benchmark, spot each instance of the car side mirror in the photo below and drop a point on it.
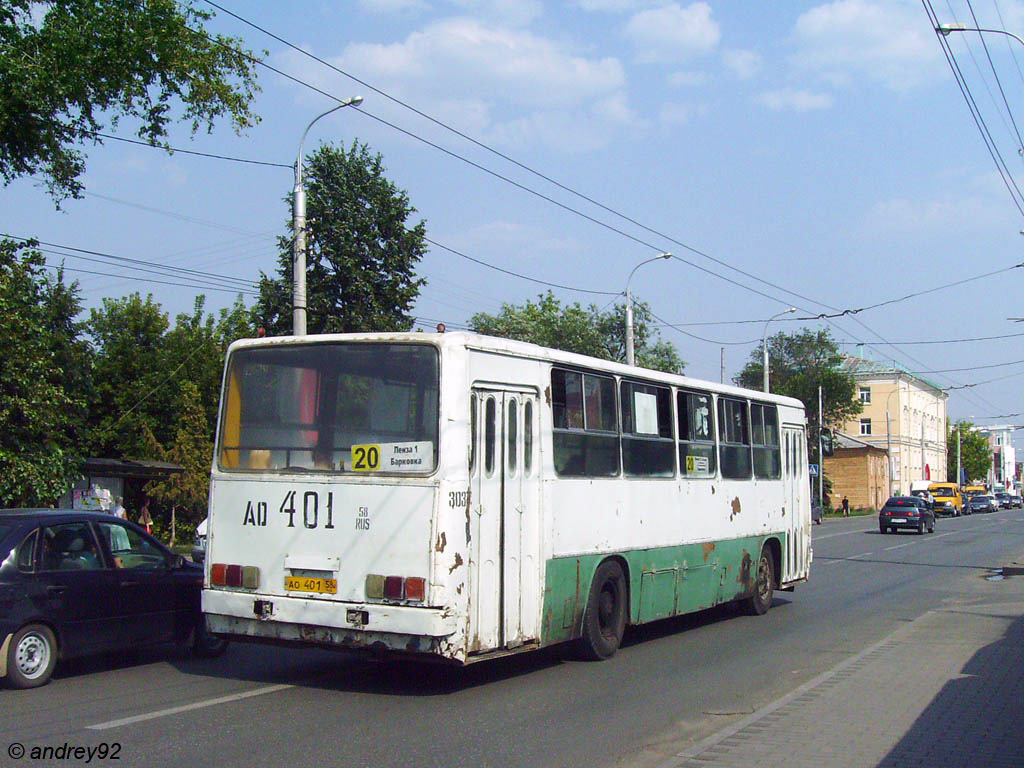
(177, 562)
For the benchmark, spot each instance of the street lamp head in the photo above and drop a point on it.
(664, 255)
(945, 29)
(355, 101)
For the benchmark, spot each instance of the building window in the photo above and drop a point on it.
(865, 426)
(865, 395)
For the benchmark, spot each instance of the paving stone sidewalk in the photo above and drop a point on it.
(945, 690)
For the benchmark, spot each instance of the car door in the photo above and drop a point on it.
(148, 591)
(75, 588)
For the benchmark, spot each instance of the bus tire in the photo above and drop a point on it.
(604, 620)
(764, 584)
(31, 656)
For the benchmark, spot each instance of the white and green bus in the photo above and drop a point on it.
(463, 496)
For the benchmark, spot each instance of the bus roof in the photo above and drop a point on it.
(526, 350)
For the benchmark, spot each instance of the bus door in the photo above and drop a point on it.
(505, 520)
(795, 488)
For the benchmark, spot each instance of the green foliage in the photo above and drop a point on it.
(975, 452)
(85, 63)
(798, 364)
(187, 493)
(42, 379)
(587, 331)
(361, 255)
(128, 370)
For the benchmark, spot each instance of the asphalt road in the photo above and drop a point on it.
(673, 682)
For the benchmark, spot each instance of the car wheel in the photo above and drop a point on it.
(920, 528)
(931, 527)
(31, 656)
(764, 584)
(604, 621)
(883, 530)
(206, 644)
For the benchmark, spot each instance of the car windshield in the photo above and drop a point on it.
(901, 501)
(941, 493)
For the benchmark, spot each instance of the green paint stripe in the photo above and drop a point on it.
(663, 581)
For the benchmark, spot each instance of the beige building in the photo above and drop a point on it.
(904, 415)
(859, 472)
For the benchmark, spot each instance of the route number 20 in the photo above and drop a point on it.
(365, 458)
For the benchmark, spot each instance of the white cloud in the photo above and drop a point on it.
(673, 33)
(742, 64)
(500, 82)
(884, 40)
(613, 5)
(793, 99)
(680, 114)
(392, 6)
(516, 12)
(900, 216)
(687, 79)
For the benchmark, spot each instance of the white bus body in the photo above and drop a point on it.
(464, 496)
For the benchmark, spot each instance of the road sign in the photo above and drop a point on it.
(813, 468)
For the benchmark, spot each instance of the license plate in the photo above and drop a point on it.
(898, 520)
(307, 584)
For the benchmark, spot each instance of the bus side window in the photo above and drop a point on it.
(734, 433)
(490, 432)
(472, 433)
(528, 438)
(512, 435)
(765, 423)
(696, 420)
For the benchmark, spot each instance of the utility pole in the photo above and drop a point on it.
(723, 365)
(821, 458)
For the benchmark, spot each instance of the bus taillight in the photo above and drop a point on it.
(243, 576)
(380, 587)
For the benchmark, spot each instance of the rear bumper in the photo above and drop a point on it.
(303, 621)
(911, 523)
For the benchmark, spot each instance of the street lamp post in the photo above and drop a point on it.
(299, 225)
(888, 431)
(764, 343)
(945, 29)
(630, 360)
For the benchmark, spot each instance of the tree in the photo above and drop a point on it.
(975, 453)
(361, 253)
(69, 67)
(799, 363)
(129, 391)
(41, 403)
(589, 331)
(192, 450)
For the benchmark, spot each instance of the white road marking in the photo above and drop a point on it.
(186, 707)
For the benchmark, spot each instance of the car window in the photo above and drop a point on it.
(25, 553)
(68, 547)
(131, 549)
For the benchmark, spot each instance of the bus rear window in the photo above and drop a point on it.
(345, 407)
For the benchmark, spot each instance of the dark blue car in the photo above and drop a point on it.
(983, 503)
(73, 583)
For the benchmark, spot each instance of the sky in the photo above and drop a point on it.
(822, 156)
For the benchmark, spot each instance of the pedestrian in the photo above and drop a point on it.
(846, 506)
(119, 510)
(144, 518)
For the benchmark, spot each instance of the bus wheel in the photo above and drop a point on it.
(31, 657)
(759, 602)
(604, 621)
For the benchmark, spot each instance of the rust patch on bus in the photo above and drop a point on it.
(547, 395)
(458, 562)
(736, 508)
(708, 547)
(744, 577)
(442, 542)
